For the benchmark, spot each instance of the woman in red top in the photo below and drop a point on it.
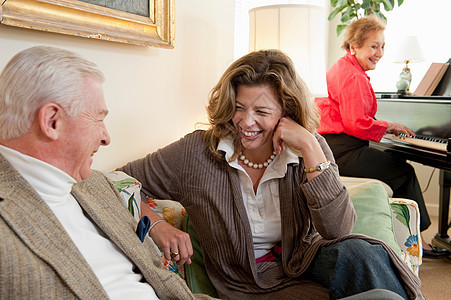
(348, 123)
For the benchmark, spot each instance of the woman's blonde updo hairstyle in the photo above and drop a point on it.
(272, 67)
(357, 31)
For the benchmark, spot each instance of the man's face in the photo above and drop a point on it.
(86, 132)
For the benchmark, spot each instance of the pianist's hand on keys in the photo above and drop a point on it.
(422, 141)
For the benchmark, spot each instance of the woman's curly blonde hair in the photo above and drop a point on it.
(272, 67)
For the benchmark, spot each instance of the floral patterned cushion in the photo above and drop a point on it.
(130, 190)
(406, 221)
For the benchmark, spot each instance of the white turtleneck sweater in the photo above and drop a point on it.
(113, 269)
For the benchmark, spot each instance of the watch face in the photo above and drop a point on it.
(323, 166)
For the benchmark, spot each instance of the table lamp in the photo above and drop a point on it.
(408, 51)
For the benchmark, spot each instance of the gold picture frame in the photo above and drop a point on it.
(93, 21)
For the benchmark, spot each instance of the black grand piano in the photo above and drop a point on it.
(430, 118)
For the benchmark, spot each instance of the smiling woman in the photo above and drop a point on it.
(240, 211)
(348, 120)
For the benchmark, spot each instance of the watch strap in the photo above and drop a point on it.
(320, 167)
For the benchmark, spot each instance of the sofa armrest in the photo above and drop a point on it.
(351, 181)
(403, 215)
(130, 190)
(406, 223)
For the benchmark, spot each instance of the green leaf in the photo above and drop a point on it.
(366, 4)
(335, 12)
(380, 15)
(121, 184)
(340, 28)
(402, 214)
(348, 15)
(333, 3)
(400, 2)
(130, 204)
(388, 5)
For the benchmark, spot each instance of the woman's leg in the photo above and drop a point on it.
(376, 294)
(354, 266)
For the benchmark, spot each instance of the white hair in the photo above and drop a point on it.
(37, 76)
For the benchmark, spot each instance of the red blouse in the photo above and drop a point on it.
(351, 105)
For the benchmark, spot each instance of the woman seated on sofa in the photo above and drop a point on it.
(348, 123)
(264, 194)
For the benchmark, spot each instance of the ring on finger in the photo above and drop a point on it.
(174, 254)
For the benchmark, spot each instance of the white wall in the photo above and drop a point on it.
(154, 95)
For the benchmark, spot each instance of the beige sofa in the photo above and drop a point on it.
(393, 220)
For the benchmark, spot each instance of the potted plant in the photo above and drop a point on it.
(355, 9)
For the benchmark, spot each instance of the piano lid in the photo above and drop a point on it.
(428, 116)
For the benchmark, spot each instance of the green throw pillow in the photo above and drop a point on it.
(195, 275)
(374, 215)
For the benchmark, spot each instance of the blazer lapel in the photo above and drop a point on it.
(102, 203)
(31, 219)
(107, 211)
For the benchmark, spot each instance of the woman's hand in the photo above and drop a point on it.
(172, 241)
(292, 135)
(168, 238)
(396, 128)
(300, 141)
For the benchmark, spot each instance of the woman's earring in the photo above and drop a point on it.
(352, 52)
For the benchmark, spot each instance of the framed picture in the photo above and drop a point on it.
(139, 22)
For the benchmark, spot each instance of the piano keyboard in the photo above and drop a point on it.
(422, 141)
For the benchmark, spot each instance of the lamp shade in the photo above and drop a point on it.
(408, 50)
(298, 30)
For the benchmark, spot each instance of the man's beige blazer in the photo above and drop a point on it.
(39, 260)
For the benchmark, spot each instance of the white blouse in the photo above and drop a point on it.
(263, 207)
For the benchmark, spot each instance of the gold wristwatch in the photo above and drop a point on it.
(321, 167)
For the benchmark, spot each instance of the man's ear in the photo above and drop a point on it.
(49, 118)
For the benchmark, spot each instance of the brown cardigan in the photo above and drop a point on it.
(313, 214)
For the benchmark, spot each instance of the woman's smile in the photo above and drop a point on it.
(256, 116)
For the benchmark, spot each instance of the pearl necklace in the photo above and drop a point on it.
(257, 166)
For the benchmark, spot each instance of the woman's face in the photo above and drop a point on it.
(371, 51)
(256, 116)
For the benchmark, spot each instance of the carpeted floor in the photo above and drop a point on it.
(435, 274)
